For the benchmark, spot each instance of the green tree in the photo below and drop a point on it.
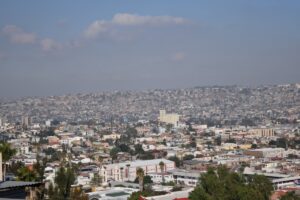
(63, 180)
(114, 152)
(282, 143)
(188, 157)
(146, 156)
(169, 127)
(218, 140)
(262, 185)
(124, 148)
(162, 167)
(221, 184)
(147, 180)
(7, 153)
(25, 174)
(176, 160)
(39, 167)
(145, 193)
(138, 148)
(97, 180)
(136, 195)
(14, 167)
(290, 196)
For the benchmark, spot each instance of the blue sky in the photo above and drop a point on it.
(56, 47)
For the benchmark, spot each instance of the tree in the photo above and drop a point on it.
(146, 156)
(147, 180)
(282, 143)
(97, 180)
(290, 196)
(138, 148)
(218, 140)
(25, 174)
(7, 154)
(114, 152)
(272, 143)
(145, 193)
(176, 160)
(169, 127)
(231, 140)
(124, 148)
(188, 157)
(39, 167)
(162, 166)
(63, 180)
(14, 167)
(261, 184)
(221, 184)
(78, 194)
(121, 173)
(140, 175)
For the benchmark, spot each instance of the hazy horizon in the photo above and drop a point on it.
(8, 98)
(54, 48)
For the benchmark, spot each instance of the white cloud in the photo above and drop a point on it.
(48, 44)
(132, 19)
(179, 56)
(19, 36)
(126, 19)
(95, 28)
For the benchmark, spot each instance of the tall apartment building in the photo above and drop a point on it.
(26, 121)
(262, 132)
(172, 118)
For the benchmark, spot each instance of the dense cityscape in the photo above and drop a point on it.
(155, 144)
(150, 100)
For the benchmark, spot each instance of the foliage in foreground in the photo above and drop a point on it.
(64, 178)
(290, 196)
(221, 184)
(146, 193)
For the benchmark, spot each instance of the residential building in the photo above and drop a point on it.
(126, 171)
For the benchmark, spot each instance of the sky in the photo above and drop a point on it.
(56, 47)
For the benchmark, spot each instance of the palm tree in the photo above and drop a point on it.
(162, 166)
(7, 153)
(127, 165)
(121, 173)
(25, 174)
(140, 175)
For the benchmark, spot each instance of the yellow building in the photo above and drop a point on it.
(168, 118)
(262, 132)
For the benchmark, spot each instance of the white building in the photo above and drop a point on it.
(189, 178)
(112, 136)
(158, 177)
(127, 170)
(266, 152)
(48, 123)
(168, 118)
